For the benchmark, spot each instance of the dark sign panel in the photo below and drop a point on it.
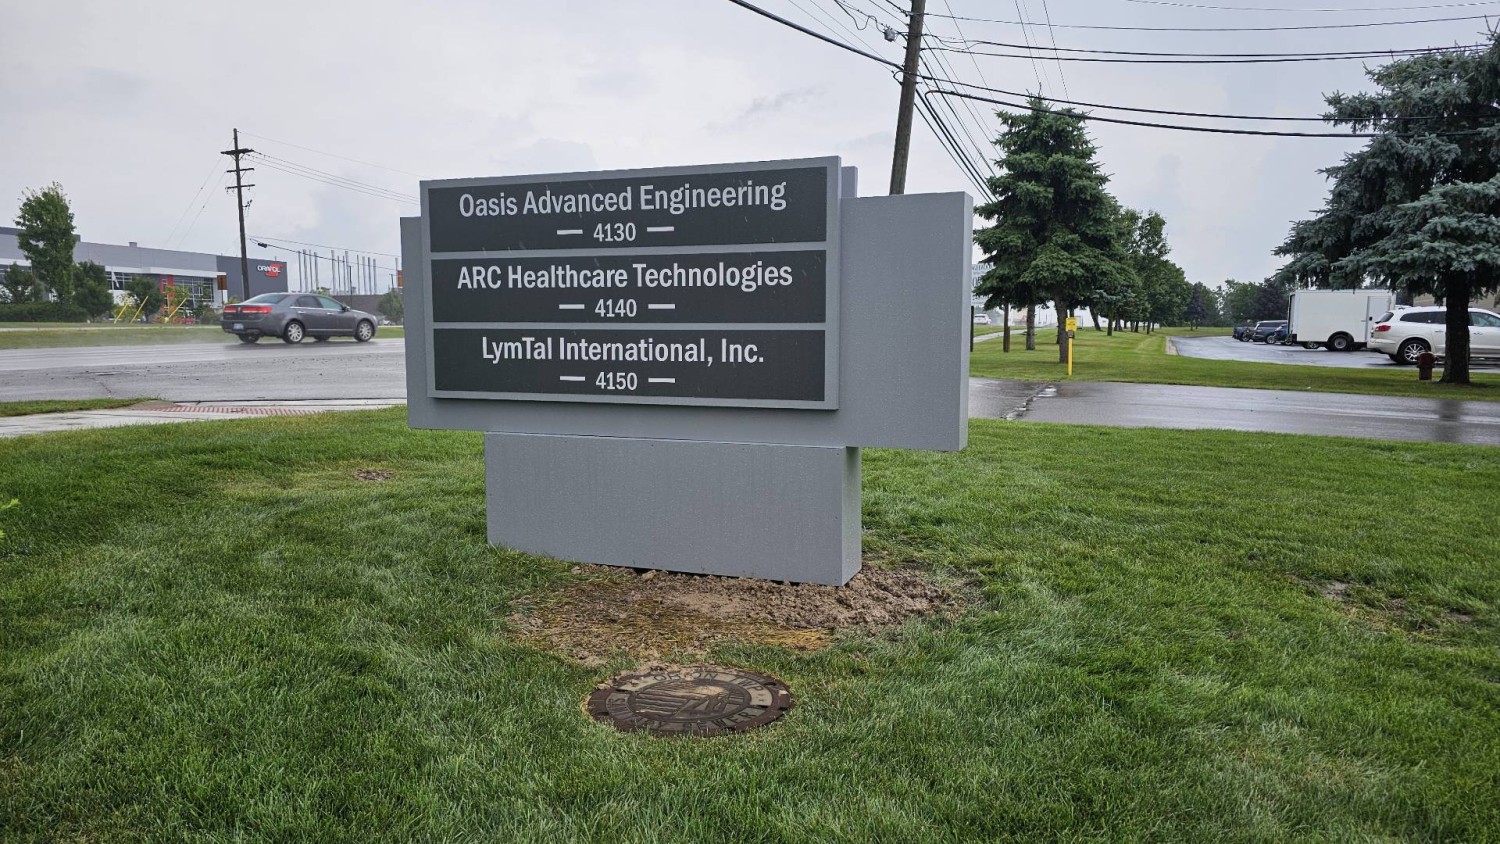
(703, 208)
(671, 363)
(633, 286)
(730, 287)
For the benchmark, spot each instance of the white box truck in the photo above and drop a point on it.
(1340, 320)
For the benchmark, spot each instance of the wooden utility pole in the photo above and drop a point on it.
(239, 203)
(908, 96)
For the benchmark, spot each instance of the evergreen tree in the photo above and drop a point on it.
(47, 239)
(1415, 209)
(1055, 235)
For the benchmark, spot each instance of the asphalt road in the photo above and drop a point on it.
(1276, 411)
(337, 369)
(376, 370)
(1228, 348)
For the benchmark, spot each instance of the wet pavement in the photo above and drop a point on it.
(268, 370)
(1228, 348)
(1275, 411)
(338, 372)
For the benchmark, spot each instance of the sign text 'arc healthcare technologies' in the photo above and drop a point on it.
(708, 285)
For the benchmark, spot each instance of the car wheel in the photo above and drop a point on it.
(1309, 345)
(1340, 342)
(294, 332)
(249, 338)
(1411, 350)
(364, 331)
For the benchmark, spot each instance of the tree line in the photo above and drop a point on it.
(1059, 237)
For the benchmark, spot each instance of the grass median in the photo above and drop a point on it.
(27, 408)
(1161, 647)
(138, 335)
(1142, 358)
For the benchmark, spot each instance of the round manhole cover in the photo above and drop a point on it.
(700, 700)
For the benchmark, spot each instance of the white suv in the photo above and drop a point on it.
(1407, 333)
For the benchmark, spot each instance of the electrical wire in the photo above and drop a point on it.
(1368, 53)
(333, 176)
(1276, 60)
(357, 187)
(285, 240)
(207, 199)
(335, 155)
(1293, 9)
(980, 152)
(1113, 28)
(1036, 71)
(1051, 33)
(193, 201)
(1215, 130)
(949, 143)
(1210, 129)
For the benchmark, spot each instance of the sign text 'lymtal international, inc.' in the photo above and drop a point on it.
(693, 285)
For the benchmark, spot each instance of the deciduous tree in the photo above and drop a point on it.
(47, 239)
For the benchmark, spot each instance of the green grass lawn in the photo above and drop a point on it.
(1142, 358)
(26, 408)
(215, 632)
(135, 335)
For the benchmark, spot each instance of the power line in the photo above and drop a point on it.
(335, 155)
(334, 176)
(1036, 71)
(1223, 28)
(1369, 53)
(335, 181)
(1051, 34)
(285, 240)
(1210, 129)
(1294, 9)
(1279, 60)
(762, 12)
(191, 202)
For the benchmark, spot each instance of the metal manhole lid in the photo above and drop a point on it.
(690, 700)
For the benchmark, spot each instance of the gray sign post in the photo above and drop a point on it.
(676, 368)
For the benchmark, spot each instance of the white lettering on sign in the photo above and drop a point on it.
(676, 201)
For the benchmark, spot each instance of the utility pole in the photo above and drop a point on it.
(239, 203)
(908, 95)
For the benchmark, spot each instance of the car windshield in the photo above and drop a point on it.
(266, 298)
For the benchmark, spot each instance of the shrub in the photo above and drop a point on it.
(42, 312)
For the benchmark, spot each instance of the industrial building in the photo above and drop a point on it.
(197, 273)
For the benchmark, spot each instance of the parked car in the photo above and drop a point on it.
(1405, 334)
(1278, 337)
(1265, 328)
(981, 319)
(294, 316)
(1242, 332)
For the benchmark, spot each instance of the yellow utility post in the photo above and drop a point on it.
(1072, 328)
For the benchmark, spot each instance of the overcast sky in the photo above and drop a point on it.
(127, 104)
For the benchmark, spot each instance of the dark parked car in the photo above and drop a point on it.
(1242, 332)
(1278, 337)
(293, 316)
(1265, 328)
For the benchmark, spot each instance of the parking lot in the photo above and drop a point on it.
(1227, 348)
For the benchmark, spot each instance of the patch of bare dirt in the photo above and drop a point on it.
(1387, 612)
(373, 475)
(652, 616)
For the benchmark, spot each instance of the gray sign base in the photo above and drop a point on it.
(778, 512)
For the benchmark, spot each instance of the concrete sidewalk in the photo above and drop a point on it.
(161, 413)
